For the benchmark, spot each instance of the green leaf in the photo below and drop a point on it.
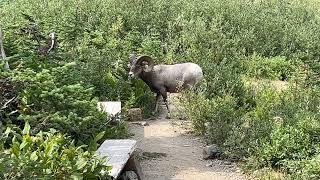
(48, 149)
(8, 130)
(81, 163)
(34, 156)
(99, 136)
(93, 166)
(26, 129)
(23, 144)
(109, 168)
(80, 147)
(15, 149)
(76, 176)
(48, 171)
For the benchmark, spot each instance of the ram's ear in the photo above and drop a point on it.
(146, 63)
(145, 66)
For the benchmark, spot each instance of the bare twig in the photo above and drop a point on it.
(8, 102)
(0, 127)
(3, 54)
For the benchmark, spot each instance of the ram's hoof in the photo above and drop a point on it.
(168, 116)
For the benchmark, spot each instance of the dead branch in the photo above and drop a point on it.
(3, 54)
(51, 35)
(8, 102)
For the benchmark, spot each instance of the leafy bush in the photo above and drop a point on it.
(8, 100)
(305, 169)
(49, 99)
(291, 148)
(48, 155)
(216, 121)
(286, 143)
(99, 35)
(276, 68)
(282, 130)
(273, 129)
(227, 38)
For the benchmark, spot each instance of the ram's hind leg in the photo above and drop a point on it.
(157, 104)
(165, 97)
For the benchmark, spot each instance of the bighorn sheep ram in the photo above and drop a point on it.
(164, 78)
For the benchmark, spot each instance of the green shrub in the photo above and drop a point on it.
(305, 169)
(99, 35)
(286, 143)
(252, 124)
(48, 100)
(227, 38)
(215, 122)
(275, 68)
(282, 131)
(47, 155)
(291, 148)
(194, 105)
(272, 129)
(142, 97)
(223, 115)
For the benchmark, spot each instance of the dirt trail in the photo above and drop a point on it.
(169, 151)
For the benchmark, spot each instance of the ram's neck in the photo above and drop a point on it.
(148, 78)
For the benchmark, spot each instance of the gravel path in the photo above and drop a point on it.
(169, 151)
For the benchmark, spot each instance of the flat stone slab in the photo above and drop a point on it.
(110, 107)
(118, 152)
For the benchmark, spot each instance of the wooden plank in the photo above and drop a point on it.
(118, 152)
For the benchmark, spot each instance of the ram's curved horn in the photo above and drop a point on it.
(146, 62)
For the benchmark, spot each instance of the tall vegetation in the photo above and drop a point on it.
(234, 41)
(47, 155)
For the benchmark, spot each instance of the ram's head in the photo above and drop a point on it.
(139, 65)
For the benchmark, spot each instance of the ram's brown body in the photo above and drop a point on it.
(172, 77)
(165, 78)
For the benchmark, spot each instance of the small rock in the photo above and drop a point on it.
(144, 123)
(217, 161)
(186, 145)
(209, 165)
(227, 163)
(238, 171)
(129, 175)
(135, 114)
(211, 152)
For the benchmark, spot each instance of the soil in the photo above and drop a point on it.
(169, 150)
